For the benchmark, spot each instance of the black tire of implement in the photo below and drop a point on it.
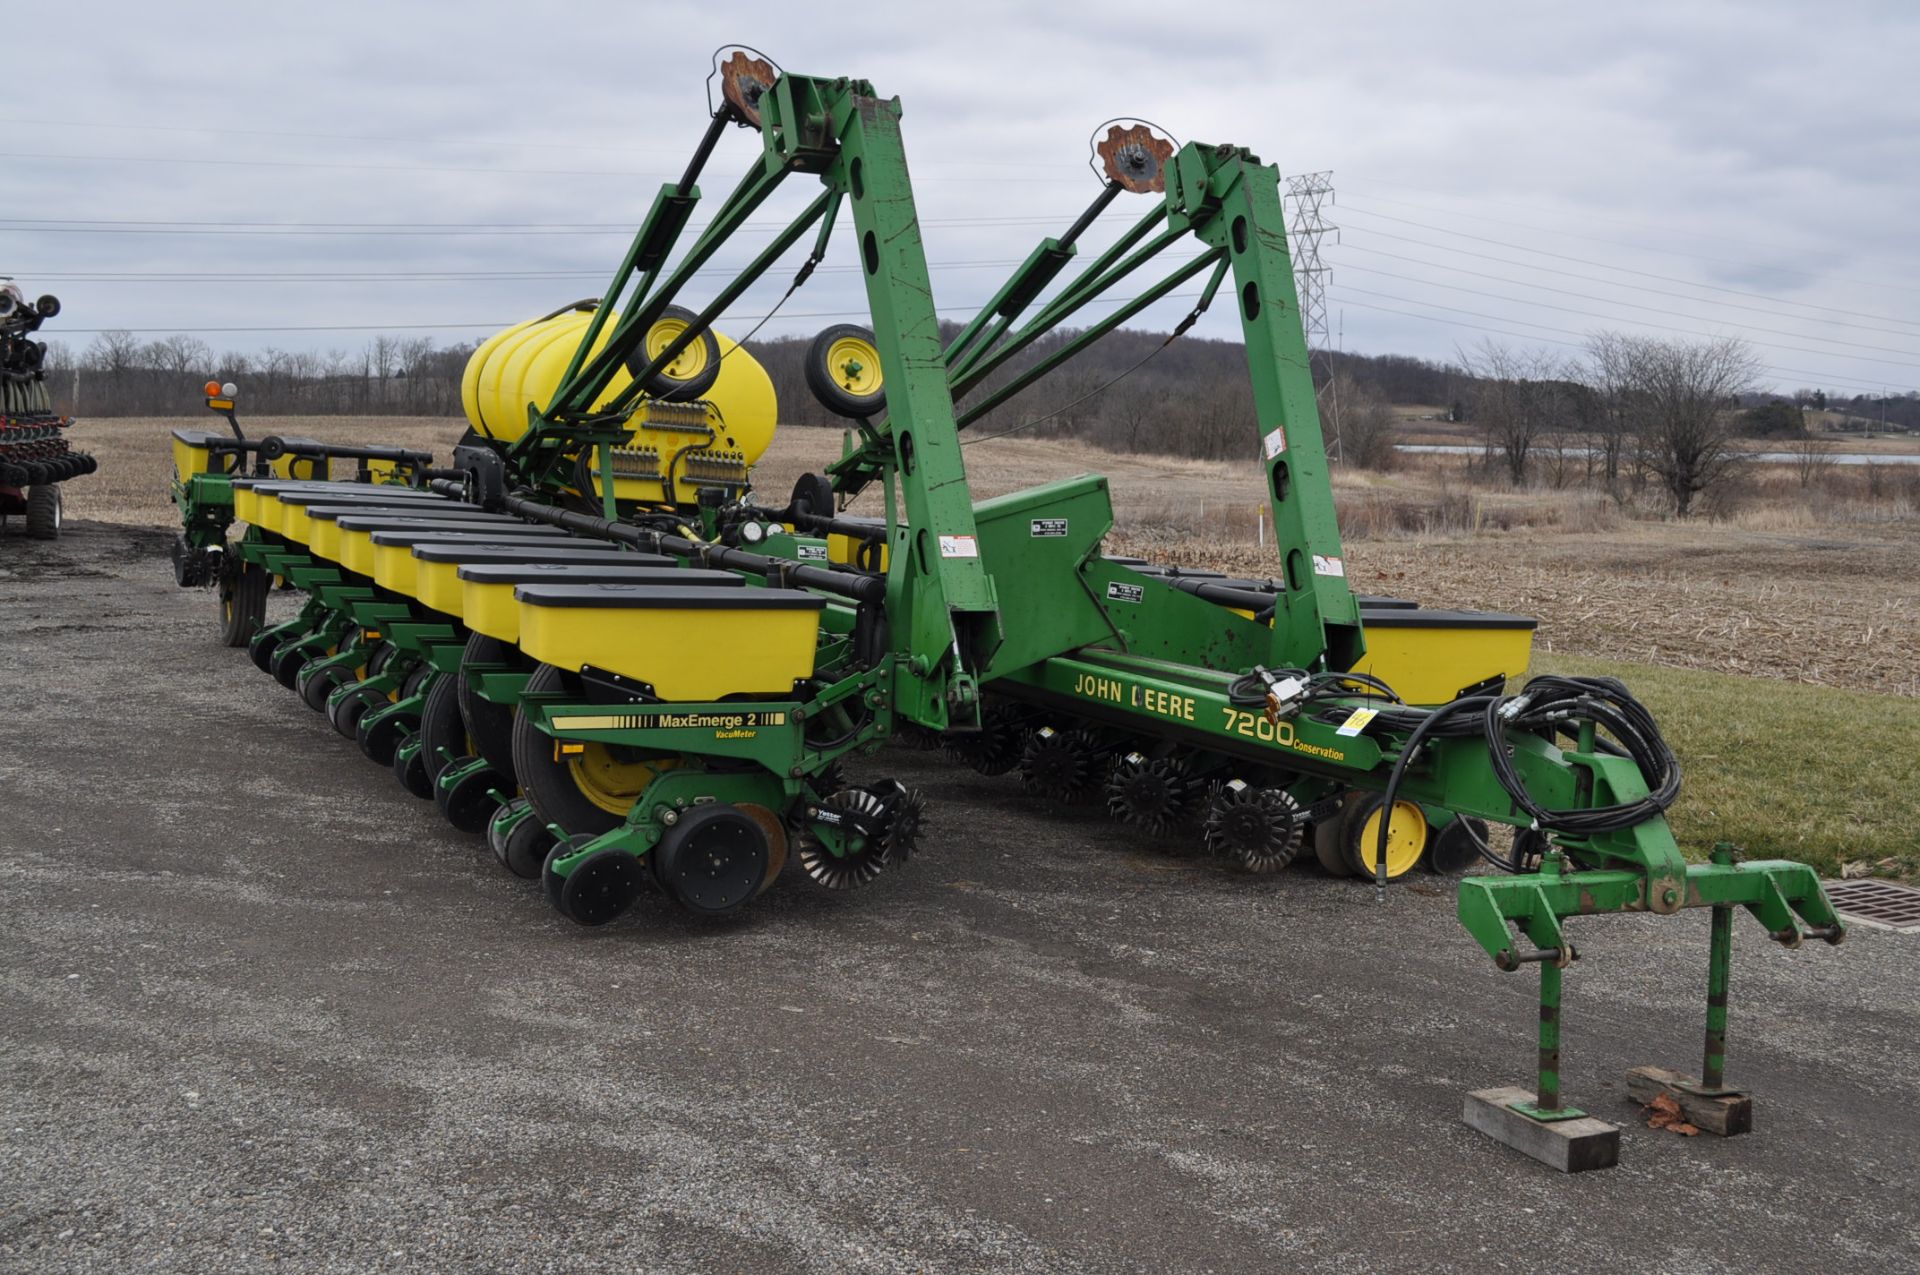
(287, 662)
(812, 494)
(1360, 850)
(1452, 850)
(660, 385)
(545, 781)
(602, 887)
(345, 713)
(489, 725)
(260, 649)
(826, 389)
(244, 609)
(317, 688)
(43, 513)
(411, 772)
(441, 726)
(468, 804)
(381, 739)
(527, 847)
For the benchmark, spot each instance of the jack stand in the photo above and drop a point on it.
(1536, 1124)
(1707, 1102)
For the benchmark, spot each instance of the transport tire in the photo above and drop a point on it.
(489, 725)
(44, 516)
(441, 728)
(243, 604)
(1407, 837)
(692, 373)
(587, 793)
(843, 371)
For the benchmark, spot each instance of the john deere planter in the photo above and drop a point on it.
(35, 457)
(586, 637)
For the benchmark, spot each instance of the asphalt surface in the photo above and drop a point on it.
(263, 1010)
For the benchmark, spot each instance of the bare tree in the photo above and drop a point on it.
(1812, 459)
(1687, 395)
(1611, 373)
(1368, 426)
(1517, 397)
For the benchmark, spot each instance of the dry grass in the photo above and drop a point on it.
(1817, 585)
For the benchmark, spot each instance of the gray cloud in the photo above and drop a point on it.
(1766, 148)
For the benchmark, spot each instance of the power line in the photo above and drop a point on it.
(490, 143)
(968, 310)
(1600, 265)
(1584, 212)
(336, 165)
(1815, 377)
(1547, 305)
(406, 276)
(242, 230)
(1573, 274)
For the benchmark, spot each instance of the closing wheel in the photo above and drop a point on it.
(345, 710)
(287, 663)
(1456, 847)
(693, 370)
(410, 768)
(524, 848)
(260, 649)
(498, 824)
(466, 799)
(604, 885)
(585, 788)
(489, 725)
(713, 859)
(44, 515)
(843, 371)
(316, 687)
(381, 734)
(1406, 837)
(243, 603)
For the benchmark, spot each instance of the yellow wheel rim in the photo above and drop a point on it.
(687, 364)
(1406, 839)
(610, 782)
(854, 366)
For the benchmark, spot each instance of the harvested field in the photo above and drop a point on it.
(1772, 593)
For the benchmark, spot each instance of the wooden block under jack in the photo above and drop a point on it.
(1724, 1114)
(1571, 1146)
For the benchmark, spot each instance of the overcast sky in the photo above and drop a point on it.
(1539, 169)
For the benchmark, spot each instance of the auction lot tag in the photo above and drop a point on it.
(1358, 721)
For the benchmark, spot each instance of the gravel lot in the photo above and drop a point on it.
(262, 1010)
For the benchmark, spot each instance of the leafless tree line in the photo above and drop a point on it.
(1635, 411)
(1631, 413)
(118, 374)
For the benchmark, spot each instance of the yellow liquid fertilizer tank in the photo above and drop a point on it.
(714, 439)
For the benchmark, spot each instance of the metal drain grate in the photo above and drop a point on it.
(1878, 903)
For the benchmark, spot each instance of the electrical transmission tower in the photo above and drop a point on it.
(1309, 194)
